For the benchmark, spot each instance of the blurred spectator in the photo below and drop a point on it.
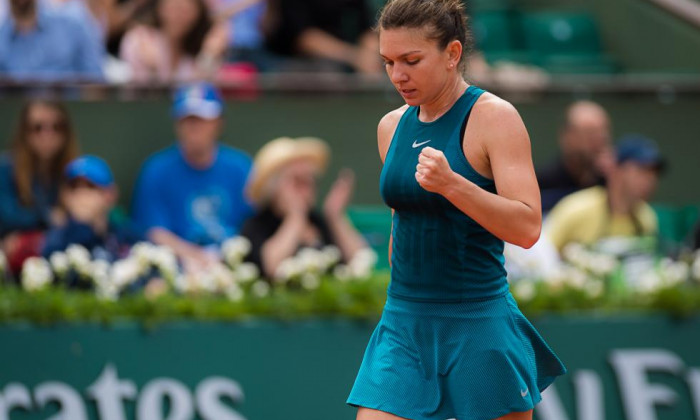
(43, 144)
(39, 44)
(585, 153)
(92, 14)
(181, 45)
(191, 195)
(284, 188)
(121, 14)
(337, 31)
(88, 196)
(620, 209)
(244, 18)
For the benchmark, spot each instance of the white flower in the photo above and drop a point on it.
(674, 272)
(524, 290)
(603, 265)
(331, 255)
(574, 253)
(366, 256)
(362, 263)
(311, 260)
(288, 269)
(222, 277)
(342, 273)
(260, 289)
(203, 281)
(99, 271)
(695, 269)
(181, 283)
(36, 274)
(648, 282)
(235, 249)
(575, 278)
(166, 261)
(79, 258)
(107, 290)
(3, 262)
(59, 262)
(125, 272)
(310, 281)
(145, 254)
(234, 293)
(247, 272)
(594, 288)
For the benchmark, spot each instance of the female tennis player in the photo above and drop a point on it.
(459, 177)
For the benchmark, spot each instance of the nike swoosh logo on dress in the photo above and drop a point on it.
(420, 144)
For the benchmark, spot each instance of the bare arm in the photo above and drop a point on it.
(183, 249)
(284, 243)
(362, 57)
(514, 213)
(344, 234)
(385, 132)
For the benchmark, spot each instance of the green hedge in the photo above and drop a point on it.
(360, 299)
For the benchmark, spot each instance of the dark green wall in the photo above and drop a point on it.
(125, 133)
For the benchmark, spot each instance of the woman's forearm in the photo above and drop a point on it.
(510, 220)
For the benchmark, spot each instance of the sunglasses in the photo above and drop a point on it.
(38, 127)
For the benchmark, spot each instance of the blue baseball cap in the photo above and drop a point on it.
(91, 168)
(640, 149)
(200, 99)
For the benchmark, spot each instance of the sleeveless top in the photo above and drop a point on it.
(439, 254)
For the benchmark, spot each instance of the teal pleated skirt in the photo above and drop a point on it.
(476, 360)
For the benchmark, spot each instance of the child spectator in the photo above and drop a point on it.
(88, 196)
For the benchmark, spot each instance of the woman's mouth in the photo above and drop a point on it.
(407, 92)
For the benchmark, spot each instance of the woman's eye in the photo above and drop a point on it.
(413, 62)
(388, 63)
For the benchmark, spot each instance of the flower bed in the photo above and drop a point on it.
(150, 286)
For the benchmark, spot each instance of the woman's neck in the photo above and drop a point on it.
(431, 111)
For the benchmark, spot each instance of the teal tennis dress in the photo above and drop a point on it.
(451, 342)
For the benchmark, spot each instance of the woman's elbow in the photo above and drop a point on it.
(530, 236)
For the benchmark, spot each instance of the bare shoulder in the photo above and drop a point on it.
(386, 128)
(496, 115)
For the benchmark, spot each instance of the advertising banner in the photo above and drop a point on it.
(620, 368)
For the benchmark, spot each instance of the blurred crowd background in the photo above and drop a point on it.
(190, 122)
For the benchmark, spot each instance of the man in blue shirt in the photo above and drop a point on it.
(190, 196)
(39, 45)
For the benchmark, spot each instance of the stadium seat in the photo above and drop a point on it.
(497, 36)
(566, 42)
(676, 223)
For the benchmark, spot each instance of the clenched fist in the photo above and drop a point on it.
(433, 172)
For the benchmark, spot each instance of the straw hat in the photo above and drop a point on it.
(277, 153)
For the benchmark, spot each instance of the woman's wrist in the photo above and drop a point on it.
(456, 187)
